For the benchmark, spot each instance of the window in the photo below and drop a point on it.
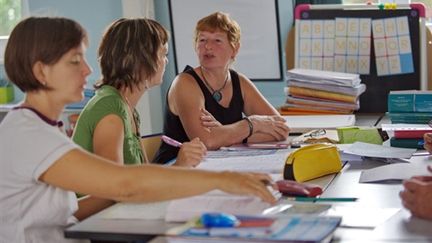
(10, 14)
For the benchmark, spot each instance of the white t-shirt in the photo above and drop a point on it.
(30, 210)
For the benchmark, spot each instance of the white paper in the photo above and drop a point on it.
(148, 211)
(392, 172)
(182, 210)
(311, 122)
(379, 151)
(272, 163)
(361, 217)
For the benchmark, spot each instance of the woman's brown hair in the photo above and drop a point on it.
(129, 52)
(44, 39)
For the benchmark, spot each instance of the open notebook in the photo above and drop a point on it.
(305, 123)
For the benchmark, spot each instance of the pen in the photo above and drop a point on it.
(322, 199)
(171, 141)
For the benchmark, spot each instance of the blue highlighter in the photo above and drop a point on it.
(219, 220)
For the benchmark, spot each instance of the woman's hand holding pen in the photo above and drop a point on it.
(273, 125)
(191, 153)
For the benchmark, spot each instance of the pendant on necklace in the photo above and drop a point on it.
(217, 95)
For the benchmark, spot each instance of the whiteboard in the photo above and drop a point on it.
(260, 52)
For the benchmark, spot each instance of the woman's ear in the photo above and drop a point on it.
(39, 72)
(235, 51)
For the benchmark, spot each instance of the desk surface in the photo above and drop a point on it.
(401, 227)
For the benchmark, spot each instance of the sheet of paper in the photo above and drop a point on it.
(149, 211)
(182, 210)
(393, 172)
(361, 217)
(311, 122)
(237, 152)
(272, 163)
(379, 151)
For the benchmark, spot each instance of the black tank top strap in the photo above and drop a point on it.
(237, 98)
(189, 70)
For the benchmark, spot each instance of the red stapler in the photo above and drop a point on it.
(293, 188)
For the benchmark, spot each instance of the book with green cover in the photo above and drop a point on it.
(407, 142)
(410, 101)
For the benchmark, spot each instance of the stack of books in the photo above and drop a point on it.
(410, 106)
(407, 135)
(321, 92)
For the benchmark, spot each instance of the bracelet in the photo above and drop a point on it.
(250, 128)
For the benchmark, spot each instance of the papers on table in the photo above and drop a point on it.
(393, 172)
(182, 210)
(226, 152)
(300, 124)
(271, 163)
(148, 211)
(361, 217)
(379, 151)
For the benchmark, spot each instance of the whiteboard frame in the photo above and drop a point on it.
(260, 56)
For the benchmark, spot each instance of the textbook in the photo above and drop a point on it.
(410, 117)
(348, 90)
(315, 109)
(305, 92)
(410, 101)
(322, 103)
(407, 142)
(407, 130)
(295, 228)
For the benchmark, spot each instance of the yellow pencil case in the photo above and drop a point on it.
(312, 161)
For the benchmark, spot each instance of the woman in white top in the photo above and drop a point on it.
(41, 168)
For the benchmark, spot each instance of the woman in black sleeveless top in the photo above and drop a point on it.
(214, 103)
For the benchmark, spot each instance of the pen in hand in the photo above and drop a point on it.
(171, 141)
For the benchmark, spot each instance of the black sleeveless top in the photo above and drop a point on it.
(173, 127)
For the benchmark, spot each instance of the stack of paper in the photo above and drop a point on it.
(301, 124)
(317, 92)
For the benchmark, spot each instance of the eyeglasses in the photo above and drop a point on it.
(316, 133)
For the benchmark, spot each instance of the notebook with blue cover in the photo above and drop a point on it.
(295, 228)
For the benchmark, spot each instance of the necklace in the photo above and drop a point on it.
(217, 94)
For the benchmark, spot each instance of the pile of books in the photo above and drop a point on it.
(321, 92)
(410, 112)
(410, 106)
(407, 135)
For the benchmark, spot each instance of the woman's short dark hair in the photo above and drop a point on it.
(44, 39)
(128, 53)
